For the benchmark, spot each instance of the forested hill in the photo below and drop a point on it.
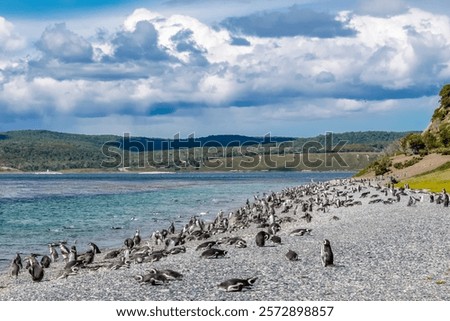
(33, 150)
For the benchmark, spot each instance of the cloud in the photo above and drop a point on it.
(140, 43)
(382, 8)
(175, 71)
(60, 43)
(292, 22)
(10, 41)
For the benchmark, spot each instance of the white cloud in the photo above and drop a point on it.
(60, 43)
(10, 41)
(153, 64)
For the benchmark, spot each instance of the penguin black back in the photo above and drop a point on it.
(129, 243)
(213, 253)
(292, 256)
(326, 253)
(261, 238)
(36, 271)
(45, 261)
(94, 248)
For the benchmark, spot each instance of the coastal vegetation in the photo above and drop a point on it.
(434, 180)
(40, 150)
(421, 160)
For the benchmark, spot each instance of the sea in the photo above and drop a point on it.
(104, 208)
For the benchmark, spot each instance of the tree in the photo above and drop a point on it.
(444, 135)
(445, 96)
(413, 142)
(430, 140)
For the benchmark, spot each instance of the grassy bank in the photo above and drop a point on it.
(434, 180)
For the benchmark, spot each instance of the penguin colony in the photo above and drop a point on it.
(298, 204)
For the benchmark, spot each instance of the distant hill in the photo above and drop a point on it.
(37, 150)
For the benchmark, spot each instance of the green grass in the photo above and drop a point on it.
(434, 181)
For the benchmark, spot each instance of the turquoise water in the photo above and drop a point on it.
(39, 209)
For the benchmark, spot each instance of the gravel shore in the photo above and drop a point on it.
(382, 252)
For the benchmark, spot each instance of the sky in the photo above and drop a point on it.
(204, 67)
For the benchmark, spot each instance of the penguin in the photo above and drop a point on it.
(206, 245)
(72, 260)
(178, 249)
(307, 217)
(300, 232)
(129, 243)
(446, 200)
(236, 285)
(291, 255)
(123, 263)
(171, 228)
(213, 253)
(274, 228)
(45, 261)
(18, 260)
(151, 278)
(326, 253)
(86, 258)
(94, 248)
(241, 244)
(261, 238)
(16, 265)
(137, 238)
(36, 271)
(168, 274)
(275, 239)
(53, 254)
(64, 251)
(112, 255)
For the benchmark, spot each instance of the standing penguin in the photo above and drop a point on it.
(129, 243)
(35, 269)
(326, 253)
(16, 265)
(94, 248)
(64, 251)
(137, 238)
(53, 253)
(261, 238)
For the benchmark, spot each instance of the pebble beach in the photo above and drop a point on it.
(384, 250)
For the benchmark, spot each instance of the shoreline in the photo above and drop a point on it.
(172, 172)
(382, 252)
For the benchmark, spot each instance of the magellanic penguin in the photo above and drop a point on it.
(300, 232)
(261, 238)
(326, 253)
(137, 238)
(35, 269)
(16, 265)
(236, 285)
(168, 274)
(94, 247)
(213, 253)
(292, 256)
(64, 251)
(45, 261)
(129, 243)
(275, 239)
(53, 253)
(206, 245)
